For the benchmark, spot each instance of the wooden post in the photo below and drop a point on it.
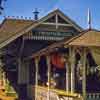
(49, 69)
(1, 78)
(56, 21)
(84, 74)
(4, 79)
(36, 77)
(23, 72)
(67, 77)
(72, 65)
(23, 78)
(19, 71)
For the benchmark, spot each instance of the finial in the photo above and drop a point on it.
(36, 12)
(25, 17)
(21, 17)
(89, 19)
(17, 17)
(13, 16)
(30, 18)
(8, 16)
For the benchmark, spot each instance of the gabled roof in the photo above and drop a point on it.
(10, 27)
(86, 38)
(13, 28)
(90, 38)
(65, 17)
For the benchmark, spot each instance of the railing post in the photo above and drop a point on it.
(36, 77)
(67, 77)
(49, 69)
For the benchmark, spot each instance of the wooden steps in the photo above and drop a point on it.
(3, 96)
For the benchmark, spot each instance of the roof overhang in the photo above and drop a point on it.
(71, 42)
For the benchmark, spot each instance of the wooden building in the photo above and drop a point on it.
(20, 38)
(86, 45)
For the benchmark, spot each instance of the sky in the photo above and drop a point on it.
(77, 10)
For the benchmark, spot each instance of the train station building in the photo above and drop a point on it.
(53, 52)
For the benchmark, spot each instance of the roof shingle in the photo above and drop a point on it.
(89, 38)
(10, 27)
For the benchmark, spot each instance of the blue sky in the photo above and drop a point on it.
(75, 9)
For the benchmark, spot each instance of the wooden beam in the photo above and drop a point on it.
(67, 19)
(84, 73)
(58, 24)
(57, 21)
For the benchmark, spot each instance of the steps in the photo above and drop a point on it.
(3, 96)
(42, 93)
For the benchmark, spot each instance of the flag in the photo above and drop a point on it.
(57, 60)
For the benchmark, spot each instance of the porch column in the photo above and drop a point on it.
(67, 76)
(49, 69)
(72, 66)
(84, 73)
(4, 79)
(36, 77)
(23, 78)
(1, 78)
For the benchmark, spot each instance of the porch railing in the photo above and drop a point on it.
(55, 94)
(93, 96)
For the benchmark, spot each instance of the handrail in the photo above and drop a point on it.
(42, 90)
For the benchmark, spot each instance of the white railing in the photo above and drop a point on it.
(93, 96)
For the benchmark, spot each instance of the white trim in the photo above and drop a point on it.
(45, 38)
